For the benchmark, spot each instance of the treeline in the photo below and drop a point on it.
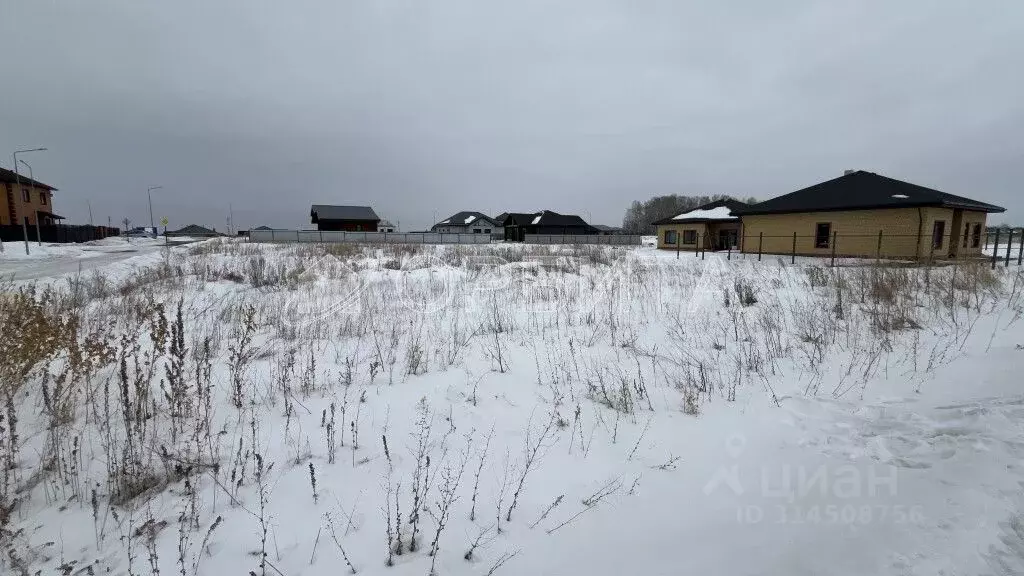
(639, 215)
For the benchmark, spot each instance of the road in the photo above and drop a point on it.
(88, 258)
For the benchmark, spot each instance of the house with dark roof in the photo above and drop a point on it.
(194, 231)
(467, 223)
(22, 199)
(863, 214)
(605, 230)
(712, 226)
(518, 224)
(347, 218)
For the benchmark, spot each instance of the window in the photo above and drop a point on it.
(25, 196)
(42, 198)
(476, 230)
(670, 236)
(967, 232)
(938, 233)
(487, 231)
(976, 237)
(689, 236)
(822, 234)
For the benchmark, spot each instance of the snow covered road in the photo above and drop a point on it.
(53, 260)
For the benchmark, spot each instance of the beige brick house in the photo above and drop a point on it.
(25, 201)
(713, 226)
(863, 214)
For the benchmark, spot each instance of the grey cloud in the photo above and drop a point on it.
(580, 106)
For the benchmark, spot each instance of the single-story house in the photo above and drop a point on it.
(194, 231)
(854, 214)
(518, 224)
(347, 218)
(467, 223)
(386, 226)
(712, 226)
(605, 230)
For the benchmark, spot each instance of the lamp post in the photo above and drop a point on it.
(17, 184)
(149, 193)
(32, 188)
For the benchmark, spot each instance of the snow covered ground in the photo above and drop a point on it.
(51, 260)
(303, 409)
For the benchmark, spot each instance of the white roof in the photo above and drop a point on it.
(470, 218)
(536, 220)
(444, 221)
(720, 213)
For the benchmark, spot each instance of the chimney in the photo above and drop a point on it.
(848, 172)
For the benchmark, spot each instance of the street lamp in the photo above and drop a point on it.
(149, 193)
(17, 183)
(32, 188)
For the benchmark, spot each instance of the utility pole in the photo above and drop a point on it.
(89, 204)
(149, 193)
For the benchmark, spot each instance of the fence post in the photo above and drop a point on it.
(39, 234)
(24, 230)
(835, 239)
(697, 246)
(321, 236)
(677, 245)
(793, 261)
(1009, 244)
(995, 250)
(878, 251)
(728, 253)
(760, 244)
(1020, 249)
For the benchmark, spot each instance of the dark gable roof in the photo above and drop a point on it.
(459, 219)
(546, 218)
(193, 230)
(9, 176)
(734, 206)
(328, 212)
(862, 190)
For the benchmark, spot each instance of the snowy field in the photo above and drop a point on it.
(234, 408)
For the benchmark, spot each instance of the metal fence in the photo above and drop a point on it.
(60, 233)
(366, 237)
(605, 240)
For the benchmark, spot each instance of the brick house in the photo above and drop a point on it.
(712, 226)
(24, 203)
(863, 214)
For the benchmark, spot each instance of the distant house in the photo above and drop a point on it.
(347, 218)
(467, 223)
(854, 214)
(194, 231)
(22, 205)
(386, 226)
(604, 230)
(518, 225)
(712, 226)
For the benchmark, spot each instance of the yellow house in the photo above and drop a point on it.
(23, 200)
(863, 214)
(713, 226)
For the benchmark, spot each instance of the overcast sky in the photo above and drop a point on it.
(424, 107)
